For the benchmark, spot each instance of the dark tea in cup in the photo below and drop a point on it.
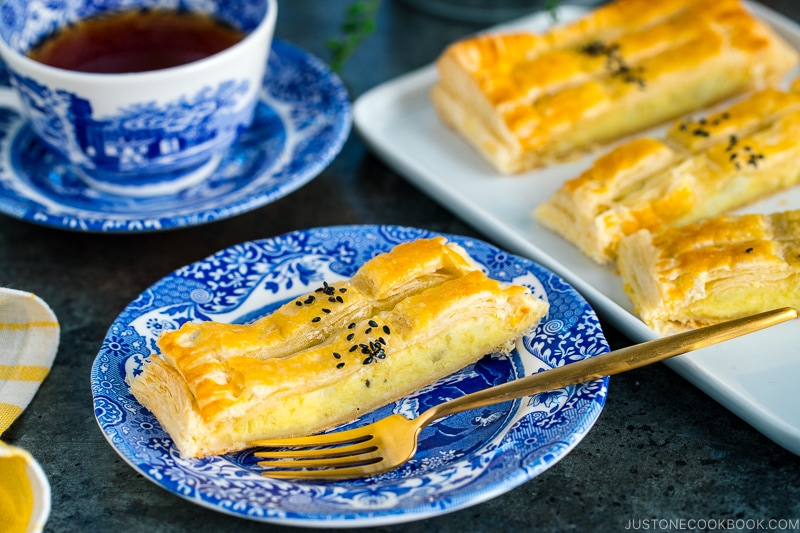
(135, 41)
(145, 98)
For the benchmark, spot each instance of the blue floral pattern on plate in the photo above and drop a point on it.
(301, 123)
(163, 133)
(463, 459)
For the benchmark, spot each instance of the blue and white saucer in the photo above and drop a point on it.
(300, 125)
(462, 460)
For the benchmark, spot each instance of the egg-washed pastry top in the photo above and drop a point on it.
(713, 270)
(705, 166)
(198, 348)
(526, 100)
(422, 311)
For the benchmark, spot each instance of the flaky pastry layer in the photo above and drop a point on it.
(526, 100)
(717, 269)
(356, 368)
(705, 166)
(198, 350)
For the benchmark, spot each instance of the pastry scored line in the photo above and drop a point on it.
(200, 349)
(720, 268)
(702, 168)
(523, 100)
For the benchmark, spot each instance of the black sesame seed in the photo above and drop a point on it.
(749, 251)
(332, 300)
(380, 354)
(373, 323)
(340, 365)
(339, 299)
(298, 302)
(366, 351)
(368, 361)
(327, 289)
(353, 348)
(594, 48)
(326, 311)
(337, 355)
(309, 300)
(351, 325)
(368, 331)
(342, 290)
(350, 337)
(382, 340)
(700, 132)
(367, 383)
(386, 330)
(316, 319)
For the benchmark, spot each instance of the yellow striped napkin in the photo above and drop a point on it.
(29, 336)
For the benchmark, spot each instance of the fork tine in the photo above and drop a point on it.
(354, 472)
(328, 462)
(350, 436)
(312, 453)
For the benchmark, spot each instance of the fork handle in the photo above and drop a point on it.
(610, 363)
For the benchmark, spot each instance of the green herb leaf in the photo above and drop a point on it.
(551, 6)
(359, 23)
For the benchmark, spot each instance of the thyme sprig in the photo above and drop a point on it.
(359, 23)
(551, 6)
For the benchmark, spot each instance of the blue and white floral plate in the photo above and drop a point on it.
(463, 459)
(301, 123)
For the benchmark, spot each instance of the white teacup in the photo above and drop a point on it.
(143, 133)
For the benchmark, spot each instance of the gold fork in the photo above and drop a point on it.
(390, 442)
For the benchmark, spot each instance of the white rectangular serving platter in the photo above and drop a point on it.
(756, 376)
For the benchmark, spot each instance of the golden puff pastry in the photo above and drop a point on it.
(703, 167)
(198, 347)
(716, 269)
(527, 100)
(367, 364)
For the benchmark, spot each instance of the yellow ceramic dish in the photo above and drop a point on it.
(24, 492)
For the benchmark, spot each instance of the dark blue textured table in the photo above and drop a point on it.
(661, 451)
